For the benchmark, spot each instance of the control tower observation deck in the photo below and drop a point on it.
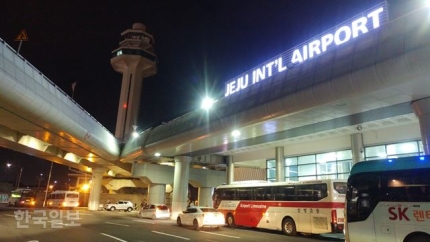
(135, 59)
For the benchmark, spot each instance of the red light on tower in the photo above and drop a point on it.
(124, 105)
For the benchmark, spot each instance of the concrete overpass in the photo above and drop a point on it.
(372, 83)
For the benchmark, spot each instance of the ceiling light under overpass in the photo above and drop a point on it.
(235, 133)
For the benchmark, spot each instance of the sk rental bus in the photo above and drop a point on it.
(309, 207)
(63, 199)
(389, 200)
(22, 197)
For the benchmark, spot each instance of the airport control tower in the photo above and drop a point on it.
(135, 59)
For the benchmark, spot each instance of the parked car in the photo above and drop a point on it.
(120, 205)
(154, 211)
(199, 217)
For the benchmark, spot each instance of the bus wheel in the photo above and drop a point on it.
(289, 227)
(419, 238)
(230, 221)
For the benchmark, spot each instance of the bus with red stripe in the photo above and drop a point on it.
(308, 207)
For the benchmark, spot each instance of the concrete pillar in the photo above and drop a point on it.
(205, 196)
(421, 108)
(280, 164)
(230, 170)
(96, 187)
(157, 193)
(357, 148)
(180, 185)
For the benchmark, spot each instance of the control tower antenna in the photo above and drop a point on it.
(135, 59)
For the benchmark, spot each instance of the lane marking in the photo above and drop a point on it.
(179, 237)
(235, 237)
(126, 225)
(143, 221)
(72, 224)
(10, 215)
(113, 237)
(86, 214)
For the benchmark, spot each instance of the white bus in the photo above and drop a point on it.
(309, 207)
(63, 199)
(22, 197)
(389, 200)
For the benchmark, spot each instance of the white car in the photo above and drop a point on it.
(199, 217)
(120, 205)
(154, 211)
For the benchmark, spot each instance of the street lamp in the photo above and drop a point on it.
(9, 165)
(207, 103)
(135, 134)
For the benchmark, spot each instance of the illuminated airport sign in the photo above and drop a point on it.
(343, 33)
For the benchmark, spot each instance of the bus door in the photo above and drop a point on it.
(304, 211)
(360, 216)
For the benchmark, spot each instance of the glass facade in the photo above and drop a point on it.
(411, 148)
(337, 164)
(330, 165)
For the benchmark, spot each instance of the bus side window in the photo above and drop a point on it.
(244, 193)
(228, 194)
(418, 194)
(284, 193)
(397, 194)
(320, 191)
(305, 192)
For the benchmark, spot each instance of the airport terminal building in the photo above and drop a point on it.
(359, 91)
(356, 92)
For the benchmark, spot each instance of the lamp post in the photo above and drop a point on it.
(47, 184)
(40, 179)
(8, 165)
(19, 178)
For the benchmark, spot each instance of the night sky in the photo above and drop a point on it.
(200, 45)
